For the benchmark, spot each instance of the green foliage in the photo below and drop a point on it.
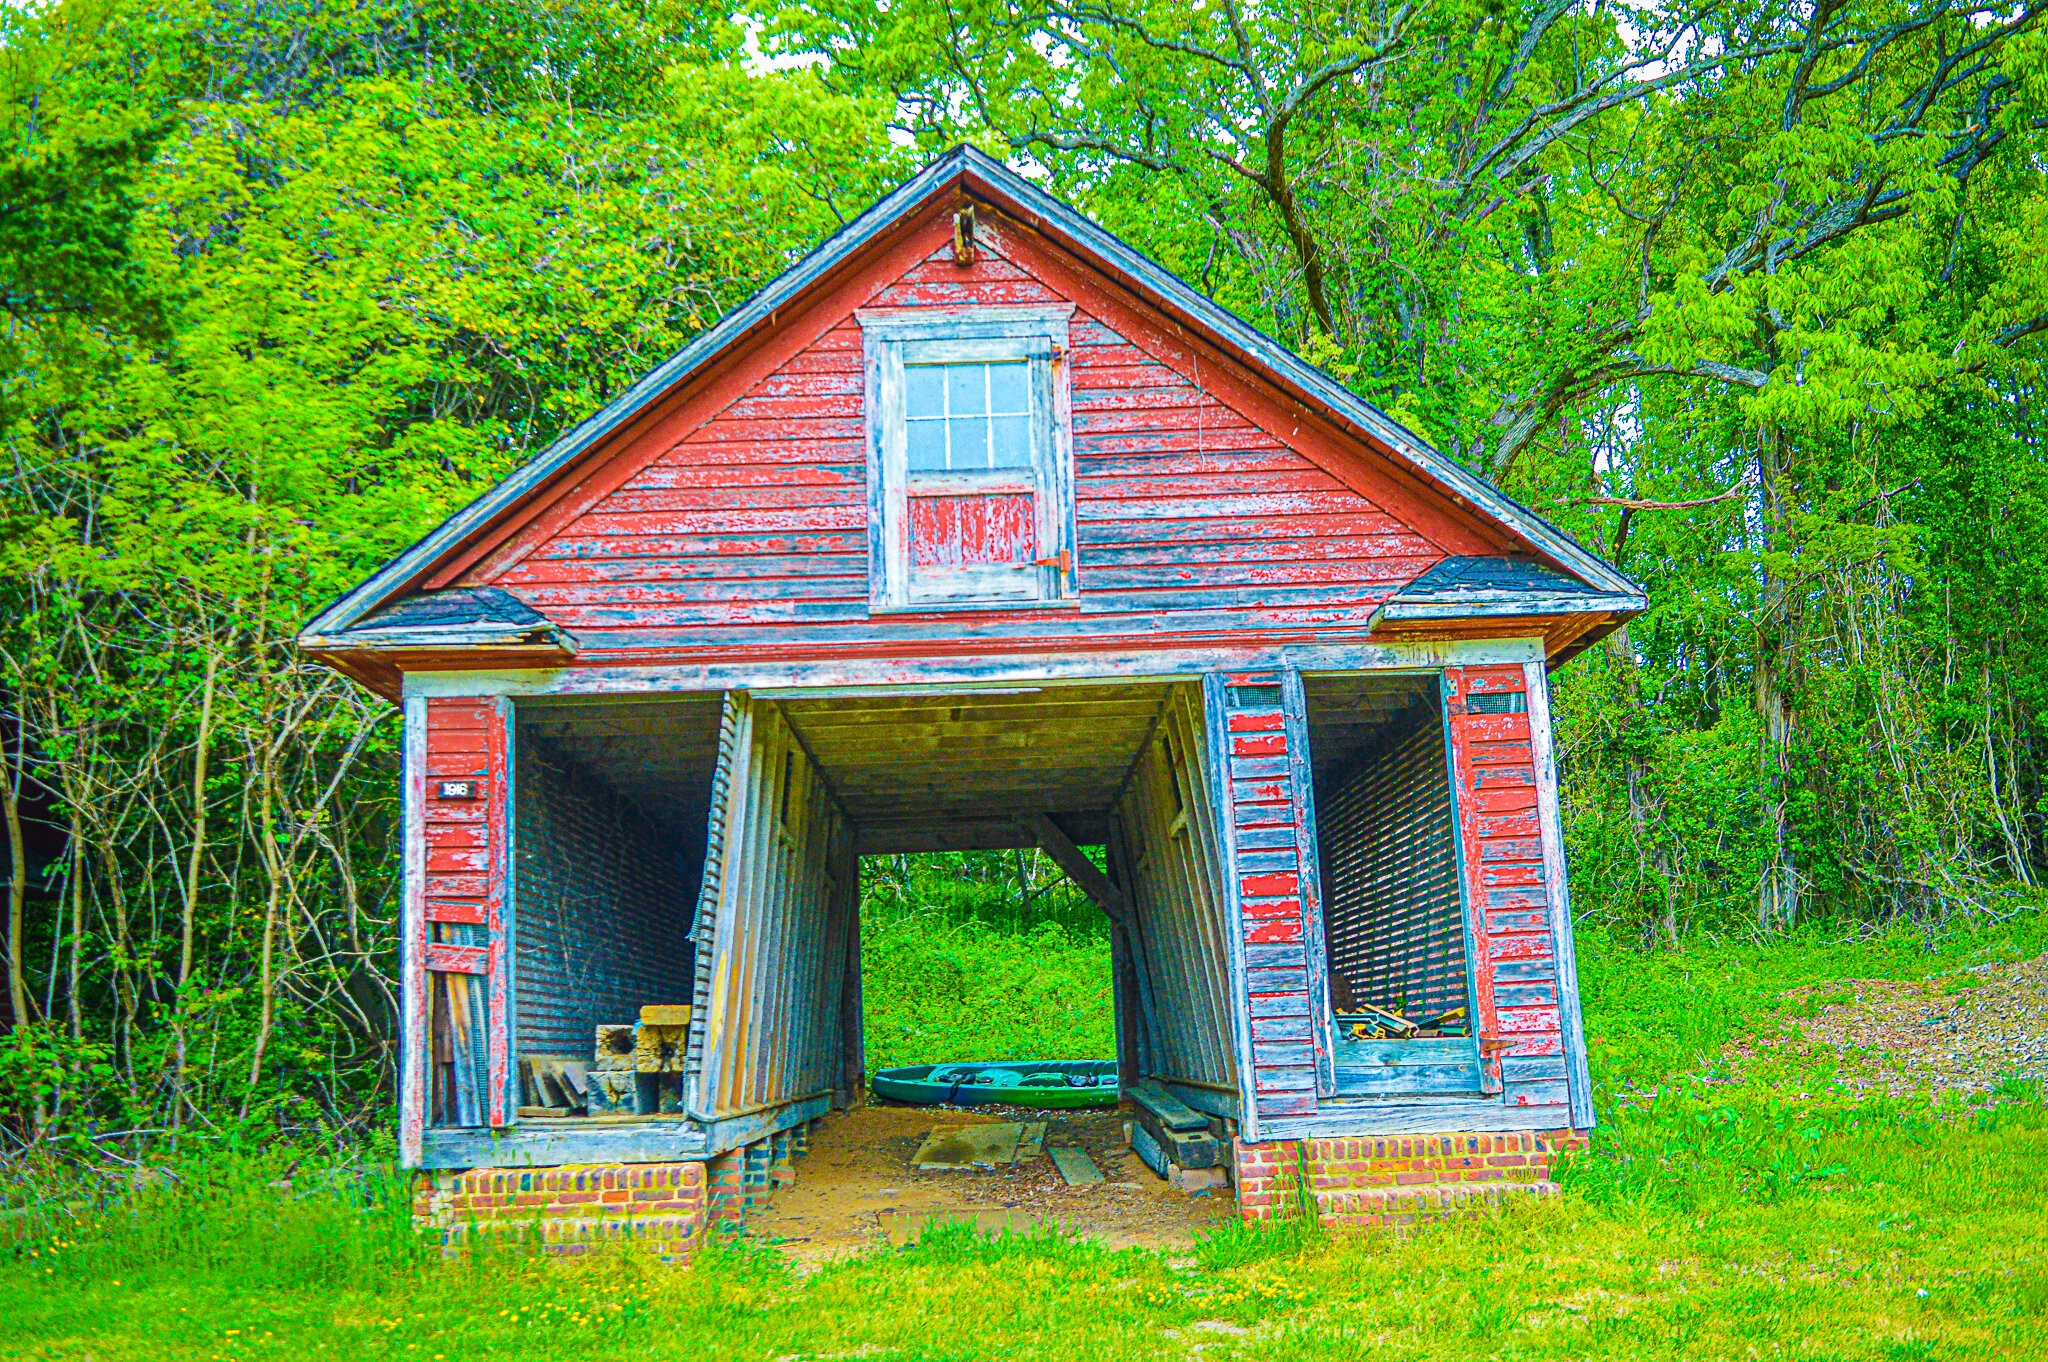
(981, 955)
(287, 283)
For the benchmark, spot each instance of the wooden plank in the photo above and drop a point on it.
(723, 669)
(1169, 1110)
(1076, 1169)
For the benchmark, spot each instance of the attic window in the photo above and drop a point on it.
(969, 449)
(967, 418)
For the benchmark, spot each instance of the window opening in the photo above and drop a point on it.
(970, 452)
(967, 417)
(1497, 702)
(1254, 697)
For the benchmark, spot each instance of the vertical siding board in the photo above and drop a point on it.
(1162, 824)
(1294, 699)
(1486, 1022)
(463, 868)
(1579, 1082)
(1206, 882)
(502, 1077)
(1216, 748)
(414, 1058)
(716, 961)
(1249, 740)
(1497, 776)
(774, 1027)
(699, 1067)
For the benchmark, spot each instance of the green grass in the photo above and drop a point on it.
(957, 963)
(1713, 1219)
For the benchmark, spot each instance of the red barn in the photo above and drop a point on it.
(977, 529)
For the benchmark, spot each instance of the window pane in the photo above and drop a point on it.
(925, 446)
(970, 442)
(966, 389)
(1009, 388)
(1012, 442)
(924, 390)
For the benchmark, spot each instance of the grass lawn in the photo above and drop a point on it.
(1780, 1214)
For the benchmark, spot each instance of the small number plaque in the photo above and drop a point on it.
(459, 789)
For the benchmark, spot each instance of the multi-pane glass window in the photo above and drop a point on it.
(962, 418)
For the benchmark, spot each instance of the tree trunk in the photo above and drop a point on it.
(17, 884)
(266, 831)
(1779, 886)
(192, 865)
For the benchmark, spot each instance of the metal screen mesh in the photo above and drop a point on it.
(1392, 918)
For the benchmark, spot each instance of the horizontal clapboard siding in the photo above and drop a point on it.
(465, 1026)
(751, 529)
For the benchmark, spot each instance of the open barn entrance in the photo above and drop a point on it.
(1397, 945)
(987, 984)
(689, 884)
(1000, 795)
(612, 807)
(688, 887)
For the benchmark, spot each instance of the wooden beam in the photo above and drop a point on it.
(1080, 869)
(969, 834)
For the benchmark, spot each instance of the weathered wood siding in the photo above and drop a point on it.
(456, 1015)
(1262, 787)
(781, 885)
(1169, 849)
(744, 521)
(1507, 877)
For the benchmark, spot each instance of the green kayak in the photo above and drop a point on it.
(1023, 1083)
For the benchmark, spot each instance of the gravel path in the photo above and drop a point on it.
(1963, 1032)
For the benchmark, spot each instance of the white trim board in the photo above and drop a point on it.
(899, 675)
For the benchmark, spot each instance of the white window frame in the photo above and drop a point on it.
(891, 338)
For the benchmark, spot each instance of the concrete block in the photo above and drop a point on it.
(614, 1093)
(615, 1046)
(665, 1014)
(660, 1049)
(1195, 1181)
(658, 1094)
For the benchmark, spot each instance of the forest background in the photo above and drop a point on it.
(1749, 297)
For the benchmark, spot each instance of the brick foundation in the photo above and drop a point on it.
(1395, 1181)
(663, 1208)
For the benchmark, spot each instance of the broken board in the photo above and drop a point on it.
(1075, 1166)
(951, 1149)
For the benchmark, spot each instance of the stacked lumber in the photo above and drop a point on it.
(1175, 1140)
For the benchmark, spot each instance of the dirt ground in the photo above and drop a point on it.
(1964, 1032)
(856, 1185)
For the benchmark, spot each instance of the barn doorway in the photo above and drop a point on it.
(969, 958)
(1397, 942)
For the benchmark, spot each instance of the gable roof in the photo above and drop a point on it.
(986, 178)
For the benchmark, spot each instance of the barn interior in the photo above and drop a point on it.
(615, 825)
(1396, 939)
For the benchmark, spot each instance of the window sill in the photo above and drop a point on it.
(980, 606)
